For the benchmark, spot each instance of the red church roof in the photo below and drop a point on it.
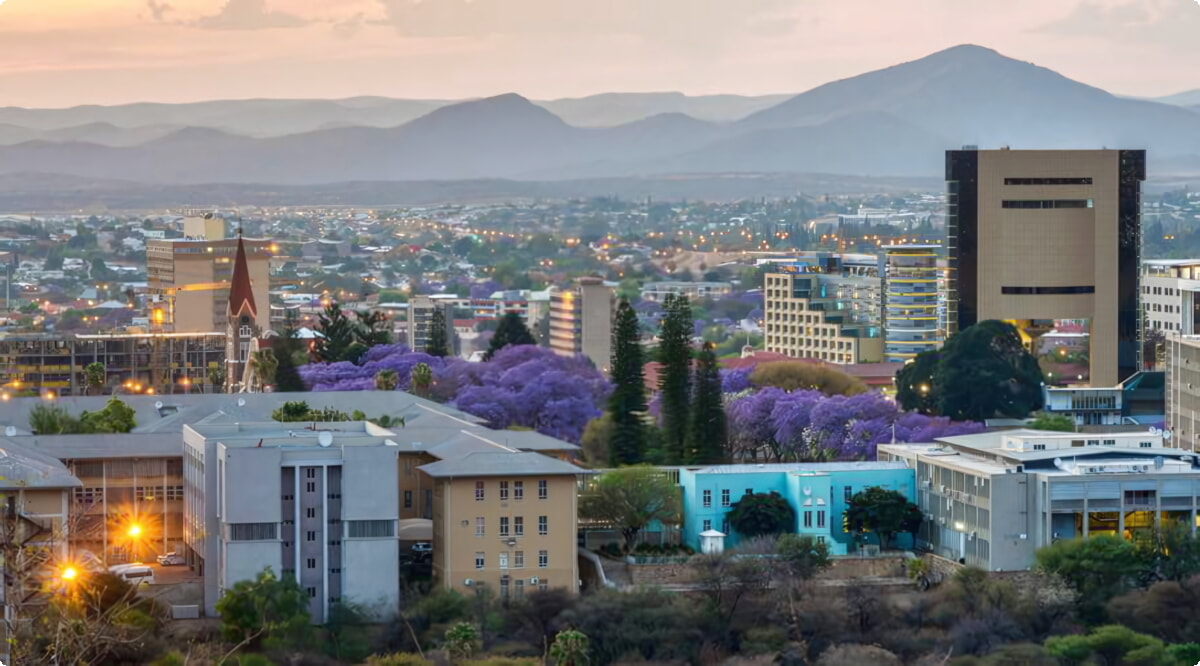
(241, 295)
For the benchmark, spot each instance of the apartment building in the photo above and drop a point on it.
(1169, 296)
(826, 310)
(581, 321)
(1183, 390)
(993, 499)
(191, 279)
(420, 316)
(911, 300)
(207, 227)
(657, 291)
(1040, 237)
(317, 504)
(505, 520)
(167, 362)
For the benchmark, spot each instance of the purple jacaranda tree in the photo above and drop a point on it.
(482, 290)
(736, 380)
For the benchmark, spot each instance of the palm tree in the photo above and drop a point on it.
(94, 376)
(386, 380)
(262, 367)
(570, 648)
(420, 379)
(216, 377)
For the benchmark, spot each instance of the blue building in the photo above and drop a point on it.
(818, 492)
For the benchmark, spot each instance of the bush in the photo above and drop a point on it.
(763, 640)
(398, 659)
(611, 549)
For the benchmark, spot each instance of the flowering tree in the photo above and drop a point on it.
(780, 426)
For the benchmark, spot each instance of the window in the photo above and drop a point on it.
(1146, 445)
(310, 535)
(311, 512)
(408, 499)
(820, 519)
(543, 584)
(503, 491)
(749, 491)
(725, 497)
(310, 473)
(543, 525)
(519, 559)
(808, 518)
(312, 593)
(847, 494)
(480, 560)
(479, 527)
(820, 539)
(707, 499)
(312, 563)
(504, 588)
(174, 492)
(1046, 291)
(543, 489)
(543, 559)
(1047, 181)
(519, 588)
(251, 532)
(479, 491)
(1039, 447)
(370, 529)
(707, 525)
(503, 558)
(310, 487)
(504, 526)
(1029, 204)
(518, 490)
(519, 526)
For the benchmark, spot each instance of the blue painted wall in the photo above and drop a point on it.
(818, 493)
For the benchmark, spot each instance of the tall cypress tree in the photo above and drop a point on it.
(510, 331)
(627, 404)
(438, 344)
(708, 435)
(674, 384)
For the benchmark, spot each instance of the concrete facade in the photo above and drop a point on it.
(992, 500)
(192, 277)
(815, 315)
(911, 301)
(581, 321)
(420, 315)
(817, 492)
(1169, 296)
(1040, 236)
(1183, 390)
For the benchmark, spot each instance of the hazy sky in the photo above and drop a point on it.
(66, 52)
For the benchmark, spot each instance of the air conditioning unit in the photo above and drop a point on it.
(534, 580)
(469, 582)
(944, 488)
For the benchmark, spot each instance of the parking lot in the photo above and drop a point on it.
(172, 575)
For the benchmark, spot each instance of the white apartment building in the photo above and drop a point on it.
(1169, 295)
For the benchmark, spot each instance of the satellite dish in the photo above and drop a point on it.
(10, 431)
(1158, 462)
(325, 438)
(1167, 435)
(1155, 431)
(1058, 462)
(241, 402)
(158, 404)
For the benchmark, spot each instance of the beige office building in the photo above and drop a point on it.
(506, 521)
(1050, 240)
(581, 320)
(192, 279)
(207, 227)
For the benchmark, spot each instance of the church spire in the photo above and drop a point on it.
(241, 295)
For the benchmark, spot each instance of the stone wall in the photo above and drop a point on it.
(840, 568)
(939, 568)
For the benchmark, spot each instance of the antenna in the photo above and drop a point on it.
(325, 438)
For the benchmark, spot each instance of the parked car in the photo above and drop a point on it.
(422, 548)
(171, 559)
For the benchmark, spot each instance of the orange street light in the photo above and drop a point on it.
(134, 531)
(69, 573)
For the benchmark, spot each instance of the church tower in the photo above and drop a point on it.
(239, 331)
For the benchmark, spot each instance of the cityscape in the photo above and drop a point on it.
(363, 366)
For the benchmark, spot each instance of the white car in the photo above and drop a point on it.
(422, 548)
(171, 559)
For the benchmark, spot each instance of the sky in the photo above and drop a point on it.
(56, 53)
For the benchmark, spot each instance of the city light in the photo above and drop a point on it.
(70, 573)
(134, 531)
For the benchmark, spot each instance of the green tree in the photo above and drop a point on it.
(675, 376)
(914, 383)
(801, 556)
(885, 513)
(47, 419)
(290, 351)
(1058, 422)
(295, 411)
(95, 376)
(460, 641)
(984, 372)
(216, 378)
(263, 365)
(510, 332)
(761, 514)
(266, 611)
(438, 343)
(1098, 569)
(1112, 644)
(630, 499)
(708, 436)
(627, 403)
(386, 380)
(420, 379)
(337, 334)
(372, 328)
(116, 417)
(803, 375)
(570, 648)
(596, 438)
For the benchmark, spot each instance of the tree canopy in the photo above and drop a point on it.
(630, 499)
(511, 332)
(884, 513)
(762, 514)
(267, 610)
(627, 403)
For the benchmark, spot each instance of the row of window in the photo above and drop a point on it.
(1047, 291)
(519, 587)
(1034, 204)
(355, 529)
(142, 493)
(1047, 181)
(706, 498)
(518, 560)
(1160, 291)
(515, 527)
(517, 490)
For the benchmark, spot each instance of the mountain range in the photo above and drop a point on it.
(894, 122)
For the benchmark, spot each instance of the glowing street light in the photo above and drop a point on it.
(134, 531)
(69, 573)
